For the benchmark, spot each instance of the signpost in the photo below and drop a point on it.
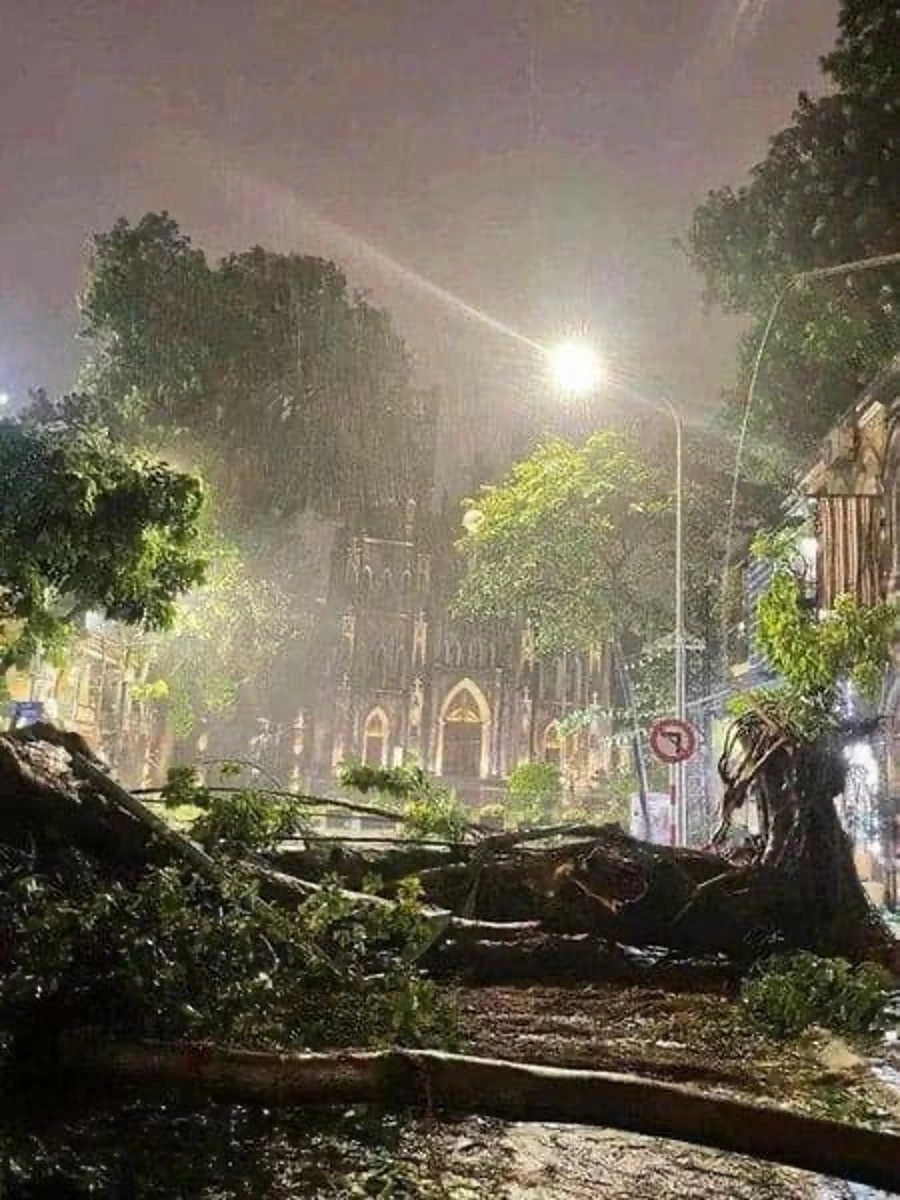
(673, 740)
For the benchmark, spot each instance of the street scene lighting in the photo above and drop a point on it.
(576, 368)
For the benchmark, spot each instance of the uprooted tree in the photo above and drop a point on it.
(787, 748)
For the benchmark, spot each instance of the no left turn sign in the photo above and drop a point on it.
(673, 740)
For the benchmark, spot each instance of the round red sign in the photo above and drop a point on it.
(673, 740)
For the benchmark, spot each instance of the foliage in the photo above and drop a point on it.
(429, 809)
(87, 525)
(398, 783)
(787, 994)
(436, 812)
(827, 192)
(491, 816)
(265, 363)
(172, 956)
(573, 542)
(813, 658)
(234, 821)
(223, 634)
(533, 794)
(611, 798)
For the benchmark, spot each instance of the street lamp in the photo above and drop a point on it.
(578, 370)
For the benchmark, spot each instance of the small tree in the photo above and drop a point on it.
(86, 525)
(575, 541)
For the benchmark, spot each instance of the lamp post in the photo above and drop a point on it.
(577, 370)
(680, 655)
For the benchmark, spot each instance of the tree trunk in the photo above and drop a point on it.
(510, 1091)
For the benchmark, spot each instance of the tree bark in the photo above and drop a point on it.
(510, 1091)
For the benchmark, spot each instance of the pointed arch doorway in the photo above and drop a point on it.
(464, 733)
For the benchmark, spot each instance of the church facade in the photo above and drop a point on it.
(398, 678)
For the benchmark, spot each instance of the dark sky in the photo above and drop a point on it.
(533, 157)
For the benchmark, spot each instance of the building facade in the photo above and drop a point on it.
(95, 695)
(398, 678)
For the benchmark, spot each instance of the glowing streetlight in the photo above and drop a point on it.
(576, 368)
(4, 399)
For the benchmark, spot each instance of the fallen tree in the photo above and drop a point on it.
(449, 1083)
(510, 905)
(796, 889)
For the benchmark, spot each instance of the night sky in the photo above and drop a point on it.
(534, 157)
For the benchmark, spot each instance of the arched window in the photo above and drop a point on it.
(365, 582)
(406, 582)
(457, 653)
(387, 580)
(375, 739)
(552, 745)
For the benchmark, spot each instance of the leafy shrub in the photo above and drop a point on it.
(491, 816)
(789, 993)
(534, 793)
(247, 820)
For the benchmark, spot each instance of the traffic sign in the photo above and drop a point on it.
(673, 740)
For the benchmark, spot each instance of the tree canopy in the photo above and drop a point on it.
(573, 540)
(290, 393)
(827, 192)
(293, 391)
(225, 633)
(87, 525)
